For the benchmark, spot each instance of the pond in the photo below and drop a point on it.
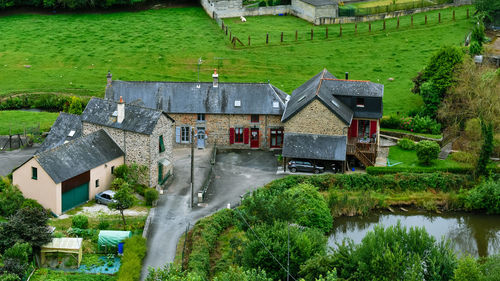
(476, 234)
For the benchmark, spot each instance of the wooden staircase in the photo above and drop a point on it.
(362, 157)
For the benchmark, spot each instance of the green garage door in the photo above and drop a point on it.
(75, 197)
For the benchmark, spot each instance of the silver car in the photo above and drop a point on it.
(105, 197)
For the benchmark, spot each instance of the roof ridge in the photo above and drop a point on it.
(349, 80)
(69, 142)
(320, 81)
(129, 104)
(194, 82)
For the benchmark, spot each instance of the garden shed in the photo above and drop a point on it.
(63, 245)
(111, 238)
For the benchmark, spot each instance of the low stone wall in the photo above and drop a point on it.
(147, 224)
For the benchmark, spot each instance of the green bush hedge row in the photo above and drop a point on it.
(49, 102)
(69, 4)
(204, 236)
(452, 170)
(134, 252)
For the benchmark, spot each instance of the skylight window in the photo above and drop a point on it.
(301, 98)
(71, 133)
(237, 103)
(335, 103)
(276, 104)
(115, 113)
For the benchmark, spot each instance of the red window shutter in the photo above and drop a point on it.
(353, 130)
(246, 134)
(231, 135)
(373, 128)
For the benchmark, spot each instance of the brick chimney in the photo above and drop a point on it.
(215, 76)
(109, 77)
(120, 107)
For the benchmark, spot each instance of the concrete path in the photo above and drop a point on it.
(10, 160)
(236, 173)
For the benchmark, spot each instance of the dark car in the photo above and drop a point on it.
(304, 166)
(105, 197)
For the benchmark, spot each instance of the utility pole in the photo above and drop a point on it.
(192, 167)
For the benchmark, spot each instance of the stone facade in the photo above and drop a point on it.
(234, 8)
(314, 14)
(217, 127)
(140, 148)
(317, 119)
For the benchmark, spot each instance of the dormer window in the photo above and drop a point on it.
(115, 113)
(237, 103)
(71, 133)
(276, 104)
(360, 102)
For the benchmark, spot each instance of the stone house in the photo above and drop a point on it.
(231, 115)
(69, 174)
(144, 134)
(315, 11)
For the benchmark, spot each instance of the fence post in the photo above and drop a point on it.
(312, 34)
(467, 13)
(248, 40)
(453, 15)
(411, 20)
(282, 37)
(296, 35)
(356, 28)
(369, 27)
(230, 35)
(340, 25)
(327, 32)
(439, 17)
(226, 30)
(222, 25)
(398, 23)
(267, 38)
(425, 19)
(384, 25)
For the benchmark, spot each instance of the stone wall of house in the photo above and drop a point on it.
(303, 10)
(316, 119)
(234, 8)
(217, 127)
(164, 128)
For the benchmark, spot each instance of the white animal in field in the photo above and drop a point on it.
(243, 19)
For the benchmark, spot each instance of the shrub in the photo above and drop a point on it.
(11, 200)
(80, 221)
(31, 203)
(151, 195)
(406, 144)
(390, 122)
(475, 48)
(9, 277)
(121, 172)
(467, 270)
(425, 124)
(463, 157)
(485, 196)
(117, 183)
(134, 252)
(491, 268)
(16, 259)
(140, 189)
(427, 151)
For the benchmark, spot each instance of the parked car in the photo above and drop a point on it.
(105, 197)
(304, 166)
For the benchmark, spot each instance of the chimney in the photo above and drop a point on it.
(215, 76)
(120, 107)
(347, 76)
(109, 78)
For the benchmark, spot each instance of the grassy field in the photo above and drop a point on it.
(72, 53)
(409, 159)
(16, 121)
(381, 3)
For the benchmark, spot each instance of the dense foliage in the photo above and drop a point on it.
(80, 221)
(134, 252)
(69, 4)
(151, 195)
(49, 102)
(406, 144)
(485, 196)
(16, 260)
(486, 149)
(490, 9)
(11, 198)
(124, 199)
(304, 243)
(416, 124)
(427, 151)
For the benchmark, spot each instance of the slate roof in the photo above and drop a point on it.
(186, 97)
(328, 90)
(317, 3)
(59, 132)
(310, 91)
(309, 146)
(78, 156)
(137, 119)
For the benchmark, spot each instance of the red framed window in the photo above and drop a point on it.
(276, 138)
(254, 118)
(238, 135)
(360, 102)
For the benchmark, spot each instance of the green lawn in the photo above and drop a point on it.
(411, 133)
(72, 53)
(16, 120)
(409, 159)
(376, 3)
(47, 274)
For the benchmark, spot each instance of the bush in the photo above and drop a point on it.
(31, 203)
(140, 189)
(463, 157)
(427, 151)
(467, 270)
(121, 172)
(80, 221)
(475, 48)
(491, 268)
(134, 252)
(151, 195)
(11, 200)
(406, 144)
(390, 122)
(16, 259)
(117, 183)
(485, 196)
(103, 224)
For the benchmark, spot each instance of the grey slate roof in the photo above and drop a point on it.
(78, 156)
(308, 146)
(59, 132)
(332, 92)
(311, 90)
(186, 97)
(137, 119)
(317, 3)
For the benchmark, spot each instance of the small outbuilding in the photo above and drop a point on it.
(315, 11)
(71, 246)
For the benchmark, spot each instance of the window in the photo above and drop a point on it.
(112, 169)
(254, 118)
(360, 102)
(237, 103)
(71, 133)
(34, 173)
(276, 138)
(161, 144)
(201, 117)
(238, 135)
(96, 183)
(363, 129)
(276, 104)
(185, 134)
(335, 103)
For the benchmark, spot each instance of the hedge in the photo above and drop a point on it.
(49, 102)
(453, 170)
(204, 238)
(134, 252)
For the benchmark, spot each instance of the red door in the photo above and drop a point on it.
(254, 138)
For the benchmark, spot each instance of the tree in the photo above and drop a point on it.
(76, 106)
(16, 259)
(125, 199)
(489, 8)
(27, 225)
(427, 151)
(486, 149)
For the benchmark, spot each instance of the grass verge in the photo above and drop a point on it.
(15, 121)
(410, 133)
(408, 159)
(47, 274)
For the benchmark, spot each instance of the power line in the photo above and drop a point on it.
(261, 242)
